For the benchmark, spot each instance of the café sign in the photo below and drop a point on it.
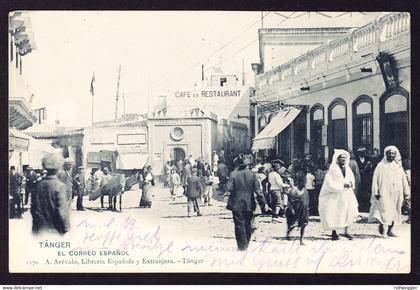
(208, 93)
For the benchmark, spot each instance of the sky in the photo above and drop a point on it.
(159, 51)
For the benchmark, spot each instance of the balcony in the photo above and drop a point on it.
(389, 31)
(21, 116)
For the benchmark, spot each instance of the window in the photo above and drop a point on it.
(317, 122)
(261, 123)
(362, 123)
(394, 120)
(272, 115)
(395, 103)
(337, 138)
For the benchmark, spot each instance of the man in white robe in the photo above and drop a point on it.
(338, 207)
(389, 187)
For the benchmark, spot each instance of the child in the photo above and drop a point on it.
(174, 181)
(310, 186)
(167, 173)
(297, 208)
(207, 180)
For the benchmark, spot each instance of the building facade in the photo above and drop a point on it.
(352, 91)
(120, 146)
(176, 135)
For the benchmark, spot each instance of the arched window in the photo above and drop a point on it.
(362, 123)
(272, 115)
(394, 120)
(262, 122)
(317, 122)
(337, 120)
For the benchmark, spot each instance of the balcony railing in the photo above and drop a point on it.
(373, 34)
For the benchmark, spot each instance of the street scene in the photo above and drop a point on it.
(272, 142)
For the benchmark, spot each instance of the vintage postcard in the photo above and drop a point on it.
(209, 141)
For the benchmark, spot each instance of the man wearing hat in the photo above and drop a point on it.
(15, 182)
(31, 181)
(194, 192)
(65, 176)
(366, 172)
(276, 187)
(79, 187)
(50, 211)
(242, 185)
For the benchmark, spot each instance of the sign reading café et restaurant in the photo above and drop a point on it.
(226, 102)
(216, 93)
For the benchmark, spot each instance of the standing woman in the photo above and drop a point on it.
(338, 206)
(148, 182)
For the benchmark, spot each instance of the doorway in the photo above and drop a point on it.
(394, 122)
(179, 153)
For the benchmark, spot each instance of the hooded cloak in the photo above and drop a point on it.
(338, 207)
(390, 183)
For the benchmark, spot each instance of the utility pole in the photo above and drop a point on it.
(116, 97)
(262, 19)
(243, 73)
(256, 126)
(123, 99)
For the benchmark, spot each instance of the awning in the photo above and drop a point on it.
(33, 150)
(94, 157)
(265, 139)
(18, 140)
(107, 155)
(134, 160)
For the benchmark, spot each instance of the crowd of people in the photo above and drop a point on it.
(301, 189)
(254, 187)
(22, 187)
(51, 191)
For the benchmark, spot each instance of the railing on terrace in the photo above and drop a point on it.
(386, 28)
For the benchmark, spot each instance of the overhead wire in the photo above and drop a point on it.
(247, 45)
(212, 54)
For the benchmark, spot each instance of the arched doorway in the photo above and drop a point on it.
(394, 121)
(179, 153)
(299, 134)
(273, 152)
(272, 115)
(362, 123)
(262, 122)
(337, 120)
(317, 122)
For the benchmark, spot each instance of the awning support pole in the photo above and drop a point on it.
(256, 128)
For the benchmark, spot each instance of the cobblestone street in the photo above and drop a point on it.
(218, 222)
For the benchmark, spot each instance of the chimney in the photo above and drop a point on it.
(161, 102)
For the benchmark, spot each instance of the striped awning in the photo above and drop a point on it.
(266, 138)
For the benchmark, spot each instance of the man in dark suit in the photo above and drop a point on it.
(15, 181)
(194, 192)
(31, 181)
(49, 209)
(65, 176)
(79, 187)
(242, 185)
(366, 172)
